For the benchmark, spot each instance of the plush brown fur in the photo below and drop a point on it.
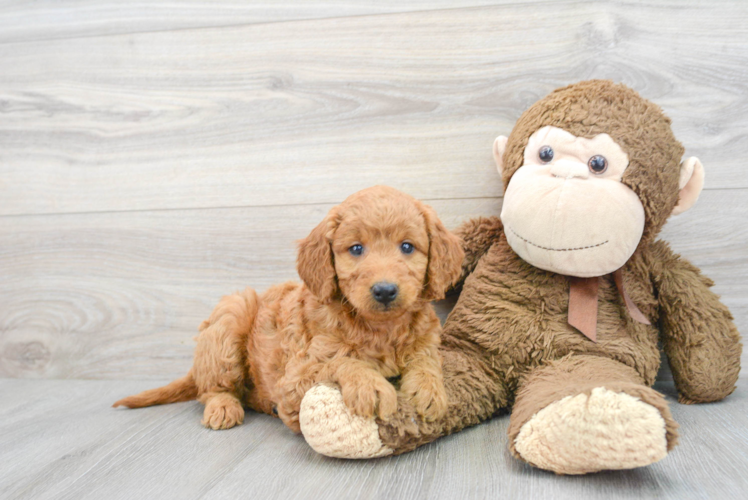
(507, 343)
(637, 125)
(265, 351)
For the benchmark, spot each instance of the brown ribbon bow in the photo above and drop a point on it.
(583, 304)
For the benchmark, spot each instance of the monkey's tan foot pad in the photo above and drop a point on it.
(223, 411)
(605, 431)
(331, 429)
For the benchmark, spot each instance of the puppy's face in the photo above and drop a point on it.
(382, 251)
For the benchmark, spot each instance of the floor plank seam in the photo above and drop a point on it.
(227, 207)
(273, 205)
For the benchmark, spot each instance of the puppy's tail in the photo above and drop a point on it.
(182, 389)
(219, 354)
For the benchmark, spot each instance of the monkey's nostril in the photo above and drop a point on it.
(384, 292)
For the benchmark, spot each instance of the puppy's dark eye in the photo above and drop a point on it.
(406, 247)
(545, 154)
(598, 164)
(356, 250)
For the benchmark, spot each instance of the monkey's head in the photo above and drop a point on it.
(591, 172)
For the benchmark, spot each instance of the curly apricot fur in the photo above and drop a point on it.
(267, 350)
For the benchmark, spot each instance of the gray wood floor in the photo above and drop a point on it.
(77, 447)
(157, 155)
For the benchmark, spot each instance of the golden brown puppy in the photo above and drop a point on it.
(362, 315)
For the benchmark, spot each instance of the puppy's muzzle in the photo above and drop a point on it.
(384, 292)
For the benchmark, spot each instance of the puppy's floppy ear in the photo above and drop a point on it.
(445, 257)
(315, 263)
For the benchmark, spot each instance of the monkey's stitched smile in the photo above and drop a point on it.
(555, 249)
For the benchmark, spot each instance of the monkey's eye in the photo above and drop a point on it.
(598, 164)
(406, 247)
(356, 250)
(545, 154)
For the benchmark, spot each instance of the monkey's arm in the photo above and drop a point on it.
(477, 236)
(474, 393)
(700, 339)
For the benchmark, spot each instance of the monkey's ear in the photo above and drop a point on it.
(691, 183)
(315, 263)
(499, 145)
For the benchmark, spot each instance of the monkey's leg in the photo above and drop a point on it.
(584, 414)
(474, 394)
(220, 367)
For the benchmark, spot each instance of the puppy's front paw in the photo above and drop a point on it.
(427, 395)
(368, 394)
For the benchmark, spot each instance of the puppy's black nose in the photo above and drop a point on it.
(384, 292)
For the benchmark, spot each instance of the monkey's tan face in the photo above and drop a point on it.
(565, 210)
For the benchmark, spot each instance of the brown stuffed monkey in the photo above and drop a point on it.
(565, 299)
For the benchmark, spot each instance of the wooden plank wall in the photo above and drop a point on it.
(155, 156)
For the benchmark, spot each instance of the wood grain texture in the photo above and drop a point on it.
(61, 440)
(120, 295)
(22, 21)
(157, 155)
(306, 112)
